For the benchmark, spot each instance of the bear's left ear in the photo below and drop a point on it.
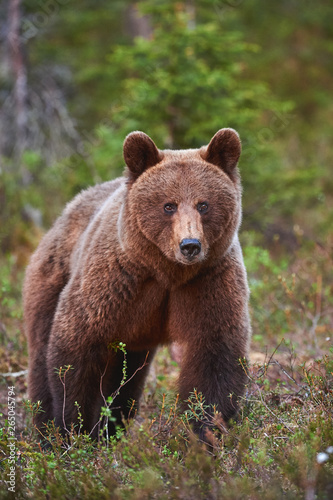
(224, 150)
(140, 153)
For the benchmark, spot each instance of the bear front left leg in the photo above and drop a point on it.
(216, 372)
(210, 317)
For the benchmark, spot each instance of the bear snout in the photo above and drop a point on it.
(190, 247)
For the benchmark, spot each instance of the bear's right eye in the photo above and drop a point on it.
(170, 208)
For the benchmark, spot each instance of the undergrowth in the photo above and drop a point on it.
(281, 447)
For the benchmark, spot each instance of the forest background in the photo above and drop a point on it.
(75, 78)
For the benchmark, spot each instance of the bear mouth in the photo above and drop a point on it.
(189, 260)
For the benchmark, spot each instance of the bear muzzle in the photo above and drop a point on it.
(190, 248)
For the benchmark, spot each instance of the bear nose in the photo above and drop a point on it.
(189, 247)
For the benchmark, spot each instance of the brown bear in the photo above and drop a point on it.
(150, 258)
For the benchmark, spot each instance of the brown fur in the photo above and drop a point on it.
(111, 269)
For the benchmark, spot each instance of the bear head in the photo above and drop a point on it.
(187, 203)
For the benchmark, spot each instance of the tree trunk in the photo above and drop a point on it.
(19, 72)
(136, 24)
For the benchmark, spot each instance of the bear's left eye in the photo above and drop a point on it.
(202, 207)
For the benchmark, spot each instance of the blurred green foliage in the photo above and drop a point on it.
(264, 69)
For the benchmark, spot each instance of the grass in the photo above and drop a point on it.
(280, 447)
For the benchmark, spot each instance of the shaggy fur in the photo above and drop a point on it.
(113, 268)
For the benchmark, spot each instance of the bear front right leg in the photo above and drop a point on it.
(126, 396)
(90, 380)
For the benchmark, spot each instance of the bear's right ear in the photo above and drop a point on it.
(140, 153)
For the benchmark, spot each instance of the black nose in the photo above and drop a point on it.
(190, 248)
